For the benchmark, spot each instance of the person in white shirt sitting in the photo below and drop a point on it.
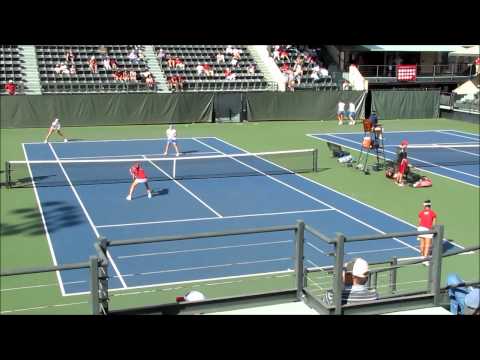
(323, 72)
(199, 69)
(220, 58)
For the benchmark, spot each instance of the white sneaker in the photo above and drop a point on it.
(426, 263)
(178, 154)
(149, 195)
(129, 197)
(65, 140)
(44, 141)
(164, 154)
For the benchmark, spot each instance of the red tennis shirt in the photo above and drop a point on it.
(139, 173)
(426, 217)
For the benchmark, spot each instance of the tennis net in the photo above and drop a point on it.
(107, 171)
(443, 154)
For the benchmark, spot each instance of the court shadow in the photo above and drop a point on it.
(323, 169)
(188, 152)
(58, 215)
(154, 194)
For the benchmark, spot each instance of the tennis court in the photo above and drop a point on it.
(243, 192)
(449, 153)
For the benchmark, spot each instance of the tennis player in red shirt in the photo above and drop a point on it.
(139, 177)
(426, 220)
(403, 163)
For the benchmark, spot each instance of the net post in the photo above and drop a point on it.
(299, 257)
(94, 285)
(436, 264)
(393, 275)
(174, 170)
(315, 160)
(8, 177)
(102, 276)
(338, 279)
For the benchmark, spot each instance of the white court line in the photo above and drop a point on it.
(49, 240)
(463, 151)
(87, 214)
(106, 157)
(316, 248)
(317, 200)
(203, 249)
(42, 307)
(213, 218)
(188, 282)
(114, 140)
(40, 286)
(185, 188)
(476, 135)
(462, 136)
(421, 169)
(389, 132)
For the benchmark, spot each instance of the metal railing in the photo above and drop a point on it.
(431, 296)
(437, 72)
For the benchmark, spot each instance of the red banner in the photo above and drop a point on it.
(406, 72)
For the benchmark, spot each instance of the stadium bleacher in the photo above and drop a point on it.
(11, 68)
(192, 55)
(306, 82)
(84, 81)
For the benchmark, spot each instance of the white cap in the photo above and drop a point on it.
(360, 268)
(194, 296)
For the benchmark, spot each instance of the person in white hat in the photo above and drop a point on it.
(355, 277)
(55, 127)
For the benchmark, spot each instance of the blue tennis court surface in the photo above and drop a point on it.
(75, 215)
(467, 173)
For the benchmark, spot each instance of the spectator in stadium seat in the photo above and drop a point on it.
(355, 290)
(92, 64)
(477, 65)
(141, 55)
(113, 63)
(73, 70)
(276, 53)
(180, 81)
(229, 50)
(463, 300)
(132, 56)
(285, 68)
(160, 54)
(345, 85)
(199, 69)
(220, 58)
(133, 75)
(234, 62)
(150, 81)
(251, 69)
(207, 69)
(179, 63)
(69, 56)
(57, 69)
(284, 55)
(106, 63)
(64, 69)
(229, 75)
(10, 87)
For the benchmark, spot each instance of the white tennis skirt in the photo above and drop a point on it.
(423, 228)
(140, 181)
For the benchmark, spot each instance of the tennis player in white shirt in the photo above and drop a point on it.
(55, 127)
(171, 139)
